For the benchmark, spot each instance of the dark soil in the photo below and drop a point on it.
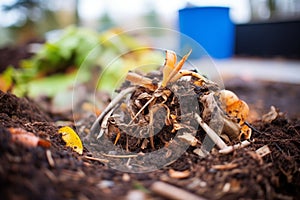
(260, 95)
(19, 53)
(27, 173)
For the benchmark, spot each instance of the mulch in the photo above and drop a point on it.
(60, 173)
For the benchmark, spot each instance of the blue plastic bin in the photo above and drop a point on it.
(211, 27)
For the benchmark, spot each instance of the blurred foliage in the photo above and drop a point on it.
(80, 55)
(32, 18)
(106, 22)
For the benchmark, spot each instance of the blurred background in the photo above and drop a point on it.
(249, 39)
(24, 20)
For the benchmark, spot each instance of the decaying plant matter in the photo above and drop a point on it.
(150, 109)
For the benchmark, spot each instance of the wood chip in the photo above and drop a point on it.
(270, 116)
(171, 192)
(225, 167)
(263, 151)
(179, 174)
(200, 152)
(189, 138)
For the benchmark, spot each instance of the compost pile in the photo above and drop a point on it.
(163, 112)
(152, 114)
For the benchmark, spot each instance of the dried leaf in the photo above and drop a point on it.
(71, 138)
(233, 105)
(270, 116)
(227, 97)
(26, 138)
(171, 59)
(179, 174)
(246, 132)
(238, 109)
(137, 79)
(200, 152)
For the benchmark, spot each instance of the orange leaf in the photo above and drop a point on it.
(170, 70)
(169, 66)
(182, 61)
(238, 109)
(245, 132)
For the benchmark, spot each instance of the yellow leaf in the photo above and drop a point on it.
(71, 138)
